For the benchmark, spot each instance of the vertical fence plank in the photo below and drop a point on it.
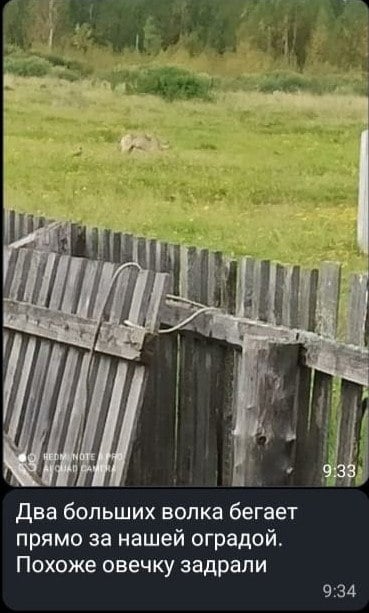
(64, 418)
(228, 377)
(18, 225)
(20, 420)
(291, 297)
(276, 288)
(197, 462)
(217, 376)
(20, 286)
(6, 215)
(72, 394)
(30, 224)
(40, 222)
(103, 246)
(289, 316)
(77, 240)
(264, 434)
(306, 321)
(136, 470)
(16, 364)
(245, 287)
(115, 247)
(174, 266)
(203, 375)
(100, 409)
(47, 403)
(326, 325)
(351, 402)
(154, 457)
(126, 254)
(91, 243)
(261, 290)
(11, 227)
(186, 441)
(279, 286)
(253, 280)
(38, 378)
(256, 288)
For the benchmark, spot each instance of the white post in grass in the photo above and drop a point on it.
(362, 217)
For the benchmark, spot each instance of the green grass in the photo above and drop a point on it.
(271, 176)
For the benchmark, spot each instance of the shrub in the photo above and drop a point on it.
(245, 82)
(173, 83)
(284, 82)
(55, 60)
(169, 82)
(30, 66)
(288, 81)
(10, 49)
(64, 73)
(360, 87)
(58, 60)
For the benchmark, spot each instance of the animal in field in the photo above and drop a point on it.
(141, 142)
(78, 152)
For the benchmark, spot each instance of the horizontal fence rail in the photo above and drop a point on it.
(189, 430)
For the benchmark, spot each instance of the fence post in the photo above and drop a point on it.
(265, 431)
(326, 318)
(351, 403)
(363, 218)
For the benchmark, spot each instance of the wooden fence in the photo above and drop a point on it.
(213, 413)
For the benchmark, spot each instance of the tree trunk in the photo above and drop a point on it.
(285, 39)
(269, 39)
(51, 23)
(294, 36)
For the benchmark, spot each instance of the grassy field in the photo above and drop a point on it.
(272, 176)
(267, 175)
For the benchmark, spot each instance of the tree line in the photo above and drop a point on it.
(295, 33)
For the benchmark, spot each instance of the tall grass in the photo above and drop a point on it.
(245, 70)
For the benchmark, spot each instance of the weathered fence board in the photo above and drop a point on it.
(264, 433)
(24, 360)
(197, 424)
(224, 368)
(123, 342)
(153, 456)
(351, 405)
(307, 305)
(326, 325)
(158, 415)
(18, 225)
(69, 277)
(34, 419)
(67, 419)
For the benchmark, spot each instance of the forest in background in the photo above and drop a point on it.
(299, 35)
